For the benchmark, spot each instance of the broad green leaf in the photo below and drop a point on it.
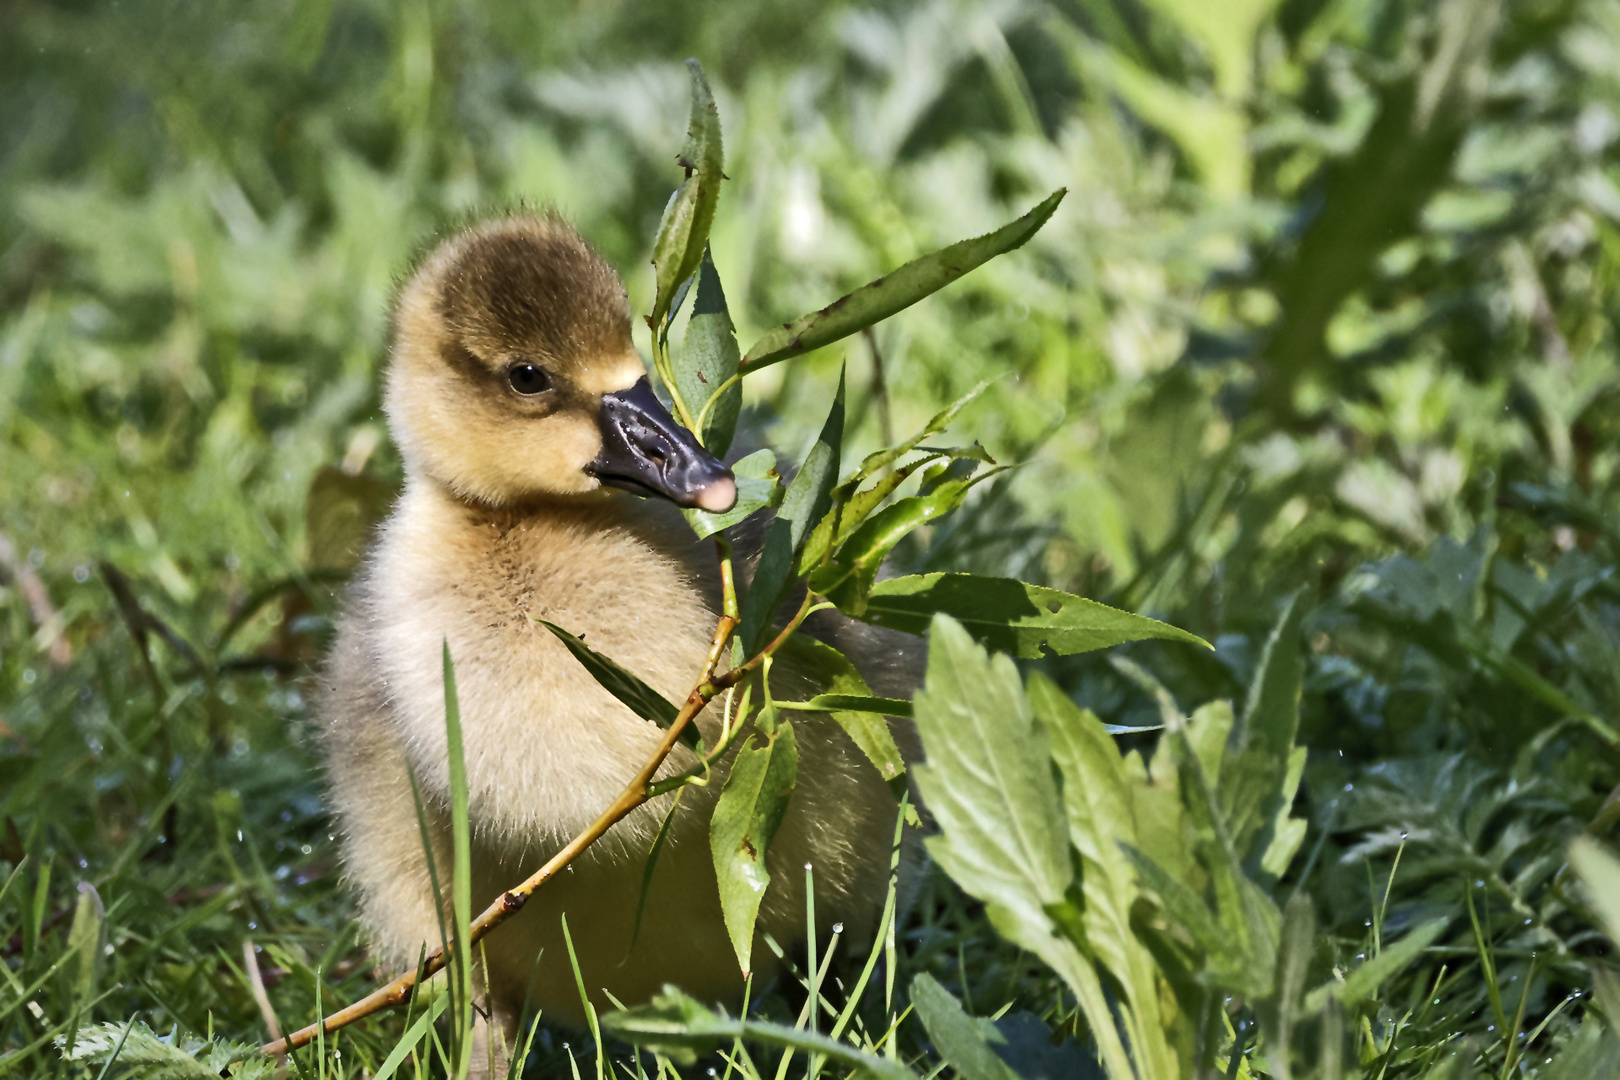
(877, 300)
(746, 817)
(759, 487)
(680, 1028)
(1599, 872)
(625, 685)
(85, 940)
(988, 782)
(684, 231)
(806, 502)
(708, 362)
(1011, 616)
(962, 1040)
(1363, 982)
(1097, 802)
(850, 701)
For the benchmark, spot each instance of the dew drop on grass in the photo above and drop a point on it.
(838, 928)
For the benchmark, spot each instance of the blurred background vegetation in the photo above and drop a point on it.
(1329, 307)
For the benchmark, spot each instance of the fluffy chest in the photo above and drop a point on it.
(546, 748)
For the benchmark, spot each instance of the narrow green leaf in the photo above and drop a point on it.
(681, 1028)
(625, 685)
(849, 577)
(962, 1040)
(746, 817)
(706, 364)
(759, 487)
(877, 300)
(461, 875)
(806, 502)
(651, 866)
(1255, 795)
(413, 1035)
(850, 701)
(85, 940)
(1363, 982)
(684, 231)
(831, 703)
(1011, 616)
(940, 421)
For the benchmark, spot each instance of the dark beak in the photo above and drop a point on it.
(645, 451)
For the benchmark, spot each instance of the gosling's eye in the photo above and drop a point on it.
(528, 379)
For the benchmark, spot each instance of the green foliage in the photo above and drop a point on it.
(1326, 314)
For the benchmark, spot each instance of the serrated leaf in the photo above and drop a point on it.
(746, 817)
(625, 685)
(962, 1040)
(759, 487)
(681, 1028)
(708, 361)
(684, 231)
(1098, 806)
(850, 701)
(988, 782)
(1012, 616)
(151, 1056)
(879, 299)
(805, 502)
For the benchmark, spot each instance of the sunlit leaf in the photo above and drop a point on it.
(746, 817)
(988, 782)
(1363, 981)
(759, 487)
(708, 361)
(877, 300)
(1011, 616)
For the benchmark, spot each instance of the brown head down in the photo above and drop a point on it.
(513, 375)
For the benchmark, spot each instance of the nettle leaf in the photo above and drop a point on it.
(877, 300)
(706, 365)
(850, 701)
(759, 487)
(133, 1045)
(681, 1028)
(1101, 816)
(962, 1040)
(750, 809)
(806, 502)
(625, 685)
(989, 783)
(1011, 616)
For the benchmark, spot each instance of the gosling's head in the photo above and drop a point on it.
(512, 376)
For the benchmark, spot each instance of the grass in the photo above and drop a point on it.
(201, 214)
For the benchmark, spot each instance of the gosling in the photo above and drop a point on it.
(519, 405)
